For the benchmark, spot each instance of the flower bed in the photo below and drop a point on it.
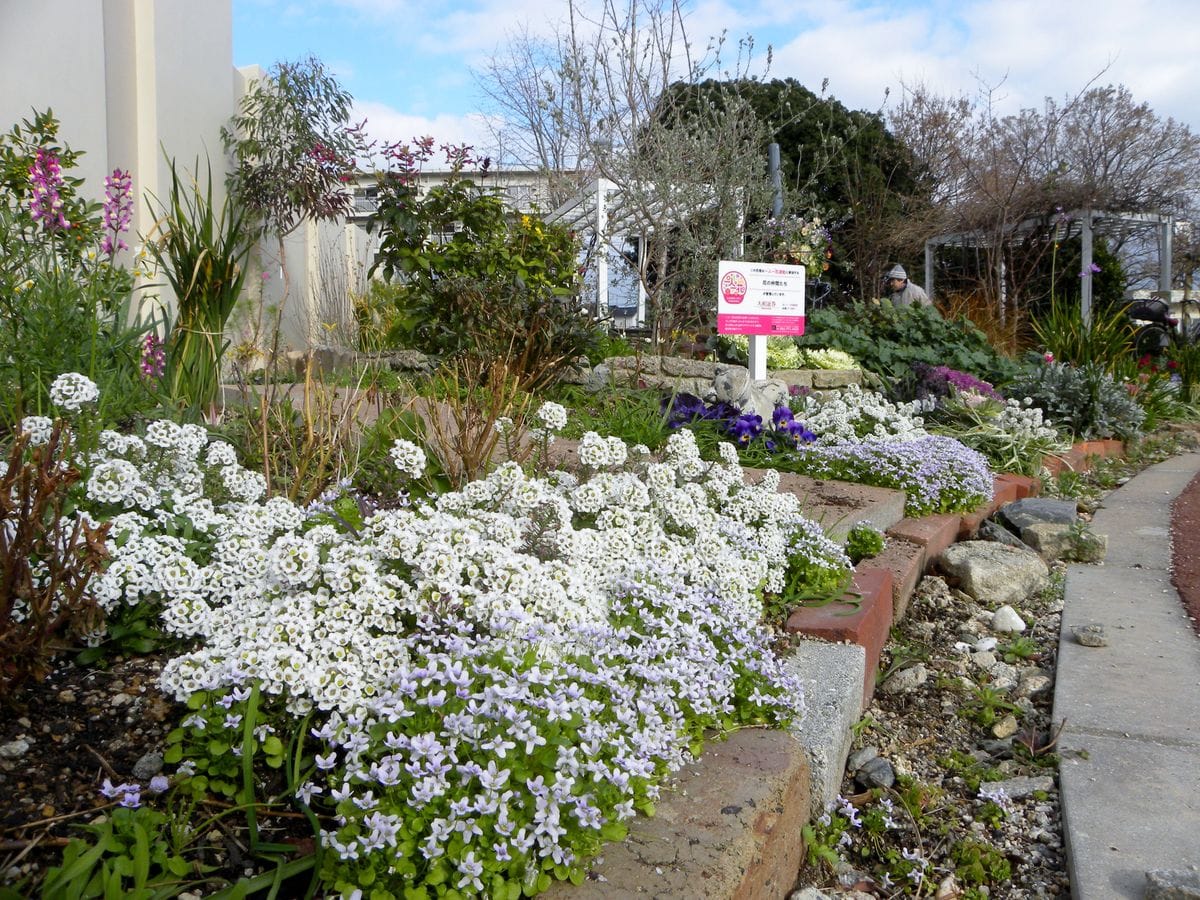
(470, 693)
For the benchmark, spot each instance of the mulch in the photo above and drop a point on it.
(1185, 549)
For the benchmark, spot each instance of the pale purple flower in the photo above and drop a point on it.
(118, 211)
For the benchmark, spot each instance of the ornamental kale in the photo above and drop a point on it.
(937, 382)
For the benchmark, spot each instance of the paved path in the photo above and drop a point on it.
(1130, 773)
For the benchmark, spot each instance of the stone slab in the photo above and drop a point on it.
(1130, 710)
(832, 676)
(837, 506)
(1156, 789)
(728, 827)
(1150, 642)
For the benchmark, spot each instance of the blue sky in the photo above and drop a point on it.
(409, 64)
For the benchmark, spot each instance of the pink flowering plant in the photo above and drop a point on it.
(66, 300)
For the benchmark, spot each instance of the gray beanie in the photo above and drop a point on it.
(897, 272)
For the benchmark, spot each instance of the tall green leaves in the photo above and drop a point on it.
(201, 251)
(1107, 341)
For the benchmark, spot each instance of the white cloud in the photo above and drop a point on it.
(389, 125)
(1030, 48)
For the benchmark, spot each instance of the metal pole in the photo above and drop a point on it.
(773, 167)
(758, 342)
(1166, 232)
(1086, 271)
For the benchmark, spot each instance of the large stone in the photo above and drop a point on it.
(993, 572)
(680, 367)
(990, 530)
(906, 680)
(1036, 510)
(1173, 884)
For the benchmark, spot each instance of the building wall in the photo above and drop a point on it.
(128, 80)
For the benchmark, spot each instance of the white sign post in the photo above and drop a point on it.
(759, 300)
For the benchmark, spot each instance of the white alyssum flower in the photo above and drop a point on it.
(38, 428)
(408, 458)
(72, 391)
(553, 416)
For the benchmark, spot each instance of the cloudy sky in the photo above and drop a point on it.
(409, 63)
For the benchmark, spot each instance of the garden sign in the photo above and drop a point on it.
(759, 299)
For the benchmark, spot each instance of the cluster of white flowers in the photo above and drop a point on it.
(553, 416)
(38, 428)
(1025, 421)
(408, 458)
(598, 452)
(854, 414)
(620, 606)
(71, 391)
(318, 613)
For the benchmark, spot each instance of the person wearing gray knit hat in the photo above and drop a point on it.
(902, 292)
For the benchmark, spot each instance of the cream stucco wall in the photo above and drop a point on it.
(127, 80)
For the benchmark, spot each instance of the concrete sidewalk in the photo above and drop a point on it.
(1130, 745)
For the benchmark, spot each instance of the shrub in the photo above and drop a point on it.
(1085, 400)
(475, 280)
(887, 340)
(48, 556)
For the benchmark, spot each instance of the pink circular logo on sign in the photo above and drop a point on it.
(733, 287)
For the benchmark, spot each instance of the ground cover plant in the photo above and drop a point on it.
(857, 436)
(463, 695)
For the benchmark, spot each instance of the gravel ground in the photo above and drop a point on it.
(955, 723)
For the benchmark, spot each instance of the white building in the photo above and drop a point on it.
(130, 81)
(135, 83)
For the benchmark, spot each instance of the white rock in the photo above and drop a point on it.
(906, 680)
(1007, 620)
(984, 644)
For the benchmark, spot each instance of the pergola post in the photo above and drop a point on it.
(1085, 292)
(929, 268)
(1166, 231)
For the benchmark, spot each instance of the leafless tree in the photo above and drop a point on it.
(990, 173)
(611, 96)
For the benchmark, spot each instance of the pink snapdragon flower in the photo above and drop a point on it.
(118, 211)
(45, 182)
